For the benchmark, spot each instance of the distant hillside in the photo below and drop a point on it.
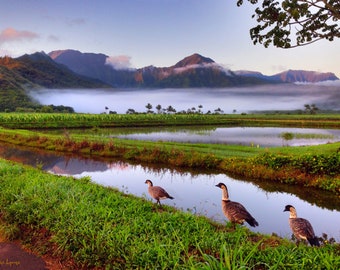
(35, 71)
(94, 65)
(292, 76)
(40, 69)
(305, 76)
(192, 71)
(12, 94)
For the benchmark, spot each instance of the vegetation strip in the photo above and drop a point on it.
(101, 227)
(72, 120)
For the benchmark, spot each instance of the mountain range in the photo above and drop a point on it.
(73, 69)
(192, 71)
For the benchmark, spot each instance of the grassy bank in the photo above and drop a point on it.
(100, 227)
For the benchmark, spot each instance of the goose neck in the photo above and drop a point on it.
(225, 195)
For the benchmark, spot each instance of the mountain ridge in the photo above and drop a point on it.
(194, 59)
(36, 70)
(192, 71)
(42, 70)
(305, 76)
(188, 72)
(293, 76)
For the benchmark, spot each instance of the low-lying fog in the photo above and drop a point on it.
(229, 100)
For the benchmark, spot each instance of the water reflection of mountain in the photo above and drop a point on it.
(76, 165)
(27, 155)
(51, 162)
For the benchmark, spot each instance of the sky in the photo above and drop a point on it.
(139, 33)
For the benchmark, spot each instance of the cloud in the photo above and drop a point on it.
(119, 62)
(204, 65)
(329, 83)
(13, 35)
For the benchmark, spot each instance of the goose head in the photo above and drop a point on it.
(288, 207)
(148, 182)
(221, 186)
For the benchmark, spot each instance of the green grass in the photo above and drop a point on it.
(289, 136)
(101, 227)
(64, 120)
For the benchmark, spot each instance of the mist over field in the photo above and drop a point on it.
(242, 100)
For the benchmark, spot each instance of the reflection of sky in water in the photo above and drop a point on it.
(240, 135)
(199, 195)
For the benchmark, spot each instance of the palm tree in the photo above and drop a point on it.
(313, 109)
(159, 108)
(130, 111)
(218, 111)
(200, 108)
(149, 107)
(171, 109)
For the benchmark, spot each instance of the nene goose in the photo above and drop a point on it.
(234, 211)
(301, 227)
(156, 192)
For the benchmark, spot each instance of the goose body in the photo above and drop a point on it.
(157, 192)
(234, 211)
(301, 228)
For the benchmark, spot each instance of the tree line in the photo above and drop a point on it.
(309, 109)
(169, 110)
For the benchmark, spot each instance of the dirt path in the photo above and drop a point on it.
(13, 257)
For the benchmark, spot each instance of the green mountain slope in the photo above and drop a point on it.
(35, 71)
(40, 69)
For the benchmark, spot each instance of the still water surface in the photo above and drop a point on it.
(251, 136)
(248, 136)
(196, 191)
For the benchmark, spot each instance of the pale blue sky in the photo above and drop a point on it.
(153, 32)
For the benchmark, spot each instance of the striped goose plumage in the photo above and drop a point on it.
(234, 211)
(156, 192)
(302, 229)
